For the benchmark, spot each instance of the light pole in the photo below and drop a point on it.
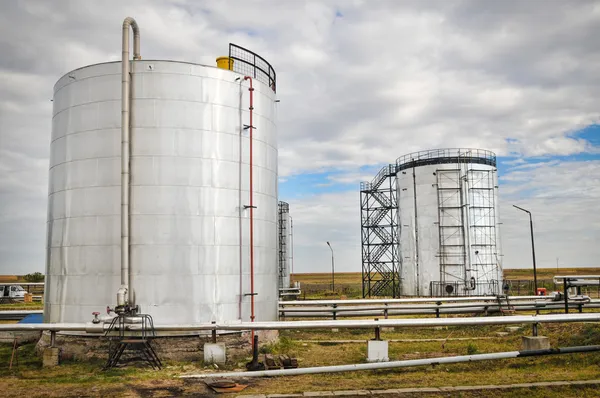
(532, 247)
(332, 268)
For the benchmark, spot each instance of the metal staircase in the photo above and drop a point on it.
(138, 341)
(379, 235)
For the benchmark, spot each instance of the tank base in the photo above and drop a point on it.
(174, 348)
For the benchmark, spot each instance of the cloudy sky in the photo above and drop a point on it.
(361, 83)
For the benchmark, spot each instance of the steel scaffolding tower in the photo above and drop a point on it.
(379, 235)
(283, 234)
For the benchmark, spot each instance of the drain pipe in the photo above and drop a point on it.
(125, 289)
(241, 207)
(400, 364)
(251, 206)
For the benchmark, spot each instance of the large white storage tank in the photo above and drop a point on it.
(189, 194)
(449, 243)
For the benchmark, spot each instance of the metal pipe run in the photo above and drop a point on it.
(400, 364)
(490, 305)
(287, 325)
(411, 300)
(125, 155)
(251, 192)
(329, 313)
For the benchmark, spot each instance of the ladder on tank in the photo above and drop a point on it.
(452, 255)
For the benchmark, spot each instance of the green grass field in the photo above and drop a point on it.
(321, 348)
(355, 277)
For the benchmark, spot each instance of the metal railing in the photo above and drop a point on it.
(429, 306)
(446, 155)
(251, 64)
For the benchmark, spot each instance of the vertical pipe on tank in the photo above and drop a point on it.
(241, 207)
(125, 154)
(418, 284)
(250, 189)
(464, 192)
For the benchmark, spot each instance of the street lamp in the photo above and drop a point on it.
(332, 269)
(532, 248)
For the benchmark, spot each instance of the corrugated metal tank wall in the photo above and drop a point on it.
(448, 224)
(185, 198)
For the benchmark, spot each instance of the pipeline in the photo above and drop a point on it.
(400, 364)
(414, 300)
(125, 157)
(433, 312)
(241, 207)
(294, 325)
(251, 188)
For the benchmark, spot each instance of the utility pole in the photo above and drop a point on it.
(532, 248)
(332, 268)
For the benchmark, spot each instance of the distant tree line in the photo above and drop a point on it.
(34, 277)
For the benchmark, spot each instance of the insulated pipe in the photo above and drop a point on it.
(251, 188)
(125, 153)
(466, 307)
(447, 311)
(241, 207)
(411, 300)
(400, 364)
(350, 324)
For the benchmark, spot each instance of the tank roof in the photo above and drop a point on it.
(446, 155)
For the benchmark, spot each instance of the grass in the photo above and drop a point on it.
(348, 284)
(22, 306)
(73, 378)
(355, 277)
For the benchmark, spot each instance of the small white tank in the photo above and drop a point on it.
(449, 243)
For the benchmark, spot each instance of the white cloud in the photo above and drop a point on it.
(383, 79)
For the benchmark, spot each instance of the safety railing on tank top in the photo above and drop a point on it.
(251, 64)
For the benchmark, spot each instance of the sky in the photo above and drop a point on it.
(360, 83)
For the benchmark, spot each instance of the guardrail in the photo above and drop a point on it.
(430, 306)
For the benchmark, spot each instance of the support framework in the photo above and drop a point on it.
(379, 235)
(283, 235)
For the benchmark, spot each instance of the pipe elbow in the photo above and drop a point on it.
(130, 22)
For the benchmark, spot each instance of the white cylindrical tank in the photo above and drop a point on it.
(189, 189)
(449, 243)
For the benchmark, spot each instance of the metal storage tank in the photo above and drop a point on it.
(448, 225)
(284, 234)
(189, 193)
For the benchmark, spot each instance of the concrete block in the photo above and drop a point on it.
(335, 330)
(214, 353)
(50, 357)
(388, 329)
(501, 334)
(352, 393)
(512, 329)
(377, 351)
(535, 343)
(417, 390)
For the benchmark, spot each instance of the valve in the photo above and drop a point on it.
(96, 319)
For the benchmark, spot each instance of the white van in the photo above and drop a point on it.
(12, 291)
